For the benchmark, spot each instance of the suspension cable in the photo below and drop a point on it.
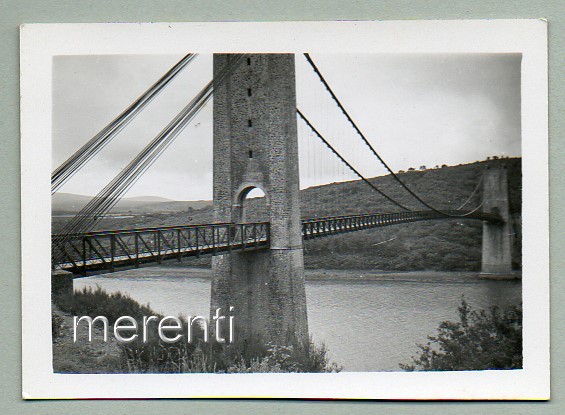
(472, 211)
(69, 167)
(472, 194)
(343, 110)
(154, 148)
(110, 195)
(107, 198)
(336, 153)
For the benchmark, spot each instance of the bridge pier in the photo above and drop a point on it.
(256, 146)
(496, 255)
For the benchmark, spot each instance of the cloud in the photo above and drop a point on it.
(415, 109)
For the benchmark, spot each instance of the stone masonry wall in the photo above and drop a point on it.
(497, 257)
(255, 145)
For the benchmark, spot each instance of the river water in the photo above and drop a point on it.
(369, 322)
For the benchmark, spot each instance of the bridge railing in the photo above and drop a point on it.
(126, 247)
(110, 249)
(325, 226)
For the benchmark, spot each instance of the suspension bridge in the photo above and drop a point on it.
(258, 265)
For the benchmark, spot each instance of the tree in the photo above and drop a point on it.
(481, 340)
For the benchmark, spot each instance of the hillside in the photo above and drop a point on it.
(437, 245)
(68, 203)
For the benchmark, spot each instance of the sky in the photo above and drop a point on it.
(415, 109)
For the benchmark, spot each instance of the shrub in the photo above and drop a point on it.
(279, 359)
(156, 356)
(99, 303)
(481, 340)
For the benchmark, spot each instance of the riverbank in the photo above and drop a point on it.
(93, 350)
(393, 311)
(407, 276)
(335, 274)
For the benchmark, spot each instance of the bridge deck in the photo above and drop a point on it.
(321, 227)
(106, 251)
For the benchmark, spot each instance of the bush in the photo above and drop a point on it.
(99, 303)
(481, 340)
(156, 356)
(280, 359)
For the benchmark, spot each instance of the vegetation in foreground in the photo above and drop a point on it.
(156, 356)
(481, 340)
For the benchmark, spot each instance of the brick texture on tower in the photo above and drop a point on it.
(256, 146)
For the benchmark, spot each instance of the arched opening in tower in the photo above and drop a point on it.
(254, 205)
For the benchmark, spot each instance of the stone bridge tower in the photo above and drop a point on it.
(256, 146)
(497, 256)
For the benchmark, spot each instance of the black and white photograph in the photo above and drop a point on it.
(353, 209)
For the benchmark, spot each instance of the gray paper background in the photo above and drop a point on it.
(15, 12)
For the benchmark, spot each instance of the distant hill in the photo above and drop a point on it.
(452, 245)
(150, 199)
(68, 203)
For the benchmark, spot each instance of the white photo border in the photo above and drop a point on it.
(40, 42)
